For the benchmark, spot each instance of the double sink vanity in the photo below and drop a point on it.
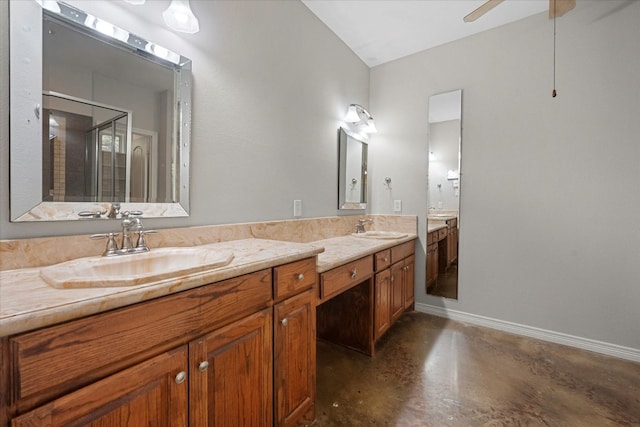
(228, 341)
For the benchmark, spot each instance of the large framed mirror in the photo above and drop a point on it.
(443, 215)
(99, 116)
(352, 175)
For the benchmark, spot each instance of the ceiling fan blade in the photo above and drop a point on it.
(560, 7)
(484, 8)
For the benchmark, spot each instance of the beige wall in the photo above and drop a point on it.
(550, 235)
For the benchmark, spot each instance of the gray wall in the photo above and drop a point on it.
(271, 84)
(550, 235)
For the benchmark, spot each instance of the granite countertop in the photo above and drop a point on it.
(341, 250)
(433, 226)
(27, 302)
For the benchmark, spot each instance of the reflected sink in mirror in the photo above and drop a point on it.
(381, 235)
(136, 269)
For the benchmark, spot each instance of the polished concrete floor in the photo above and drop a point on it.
(430, 371)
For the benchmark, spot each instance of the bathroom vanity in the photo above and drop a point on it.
(242, 348)
(359, 300)
(233, 343)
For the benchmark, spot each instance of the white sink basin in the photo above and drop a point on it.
(381, 235)
(135, 269)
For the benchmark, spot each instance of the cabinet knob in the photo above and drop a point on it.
(300, 277)
(284, 322)
(393, 278)
(182, 375)
(354, 273)
(203, 366)
(386, 259)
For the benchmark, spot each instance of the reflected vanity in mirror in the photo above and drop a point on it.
(98, 116)
(352, 175)
(445, 140)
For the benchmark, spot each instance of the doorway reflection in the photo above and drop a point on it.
(445, 125)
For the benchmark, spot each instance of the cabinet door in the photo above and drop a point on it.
(294, 358)
(409, 279)
(231, 380)
(397, 290)
(432, 264)
(382, 313)
(151, 393)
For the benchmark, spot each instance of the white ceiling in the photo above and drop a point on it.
(380, 31)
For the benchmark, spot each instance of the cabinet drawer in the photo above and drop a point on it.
(402, 251)
(341, 278)
(452, 223)
(52, 361)
(290, 279)
(442, 234)
(383, 259)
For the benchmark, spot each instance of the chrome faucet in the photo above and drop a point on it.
(131, 222)
(360, 225)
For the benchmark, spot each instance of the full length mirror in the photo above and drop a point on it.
(443, 215)
(352, 175)
(99, 116)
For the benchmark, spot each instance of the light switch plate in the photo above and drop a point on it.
(297, 208)
(397, 205)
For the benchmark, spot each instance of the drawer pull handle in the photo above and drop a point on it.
(203, 366)
(182, 375)
(354, 273)
(386, 259)
(284, 322)
(300, 277)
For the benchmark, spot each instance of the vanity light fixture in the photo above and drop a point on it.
(358, 116)
(180, 17)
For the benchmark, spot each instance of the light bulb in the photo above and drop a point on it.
(180, 17)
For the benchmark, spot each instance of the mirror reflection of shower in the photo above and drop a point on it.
(91, 153)
(443, 183)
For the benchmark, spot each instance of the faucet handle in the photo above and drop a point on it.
(112, 246)
(141, 244)
(129, 214)
(91, 214)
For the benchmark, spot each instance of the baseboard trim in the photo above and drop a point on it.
(601, 347)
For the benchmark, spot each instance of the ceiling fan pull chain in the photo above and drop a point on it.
(554, 93)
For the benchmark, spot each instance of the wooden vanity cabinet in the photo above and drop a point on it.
(393, 285)
(408, 280)
(432, 258)
(382, 309)
(295, 360)
(205, 356)
(294, 342)
(154, 392)
(452, 241)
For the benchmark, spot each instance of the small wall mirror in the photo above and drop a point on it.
(444, 150)
(352, 176)
(99, 116)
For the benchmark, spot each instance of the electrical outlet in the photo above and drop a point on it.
(297, 208)
(397, 205)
